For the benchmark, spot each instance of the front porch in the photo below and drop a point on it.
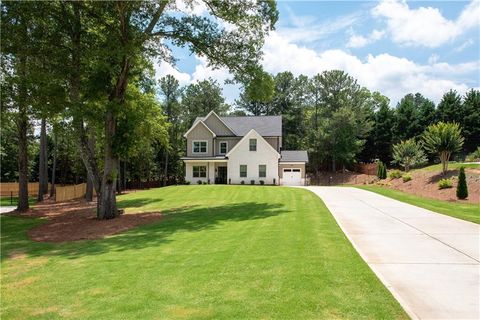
(211, 171)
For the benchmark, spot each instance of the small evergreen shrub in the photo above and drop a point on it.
(204, 182)
(462, 189)
(242, 182)
(199, 182)
(474, 156)
(445, 184)
(252, 181)
(406, 178)
(395, 174)
(262, 182)
(187, 182)
(381, 170)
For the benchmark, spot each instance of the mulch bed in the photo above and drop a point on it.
(76, 220)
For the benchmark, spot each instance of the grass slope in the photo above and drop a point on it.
(223, 252)
(452, 165)
(465, 211)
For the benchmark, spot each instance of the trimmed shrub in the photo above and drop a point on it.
(395, 174)
(406, 178)
(242, 182)
(262, 182)
(381, 170)
(252, 181)
(199, 182)
(462, 189)
(187, 182)
(204, 182)
(445, 184)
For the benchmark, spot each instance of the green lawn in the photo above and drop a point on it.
(452, 165)
(465, 211)
(6, 201)
(223, 252)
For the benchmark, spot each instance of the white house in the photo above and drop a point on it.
(236, 150)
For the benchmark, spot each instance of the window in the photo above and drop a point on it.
(253, 144)
(199, 171)
(199, 146)
(262, 171)
(223, 147)
(243, 171)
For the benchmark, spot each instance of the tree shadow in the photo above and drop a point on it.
(136, 202)
(439, 176)
(186, 219)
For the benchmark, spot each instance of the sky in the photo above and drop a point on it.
(391, 46)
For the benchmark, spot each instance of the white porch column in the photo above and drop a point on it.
(211, 172)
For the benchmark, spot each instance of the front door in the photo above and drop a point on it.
(221, 175)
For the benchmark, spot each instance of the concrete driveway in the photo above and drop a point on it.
(429, 261)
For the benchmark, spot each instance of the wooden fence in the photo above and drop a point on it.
(63, 193)
(11, 188)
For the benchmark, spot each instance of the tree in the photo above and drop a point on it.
(257, 94)
(407, 119)
(344, 111)
(450, 107)
(470, 121)
(443, 139)
(202, 97)
(127, 36)
(462, 189)
(383, 130)
(408, 153)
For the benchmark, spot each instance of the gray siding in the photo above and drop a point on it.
(274, 142)
(232, 141)
(217, 126)
(200, 133)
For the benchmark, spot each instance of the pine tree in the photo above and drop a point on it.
(462, 189)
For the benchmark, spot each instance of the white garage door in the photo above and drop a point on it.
(292, 177)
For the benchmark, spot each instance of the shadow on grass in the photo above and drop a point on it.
(136, 202)
(188, 219)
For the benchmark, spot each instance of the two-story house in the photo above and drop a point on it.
(235, 150)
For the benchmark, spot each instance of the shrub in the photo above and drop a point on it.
(187, 182)
(395, 174)
(406, 178)
(462, 189)
(252, 181)
(408, 153)
(204, 182)
(242, 182)
(262, 182)
(445, 184)
(381, 170)
(199, 182)
(474, 156)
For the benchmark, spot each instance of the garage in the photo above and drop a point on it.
(292, 177)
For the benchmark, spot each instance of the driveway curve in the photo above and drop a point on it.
(430, 262)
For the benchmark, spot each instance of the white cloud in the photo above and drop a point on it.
(464, 45)
(425, 26)
(392, 76)
(433, 58)
(163, 68)
(357, 41)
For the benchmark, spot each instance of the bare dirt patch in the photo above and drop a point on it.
(75, 220)
(425, 184)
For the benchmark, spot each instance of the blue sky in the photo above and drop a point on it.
(395, 47)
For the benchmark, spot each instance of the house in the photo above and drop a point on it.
(236, 150)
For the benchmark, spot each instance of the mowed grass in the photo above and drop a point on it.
(7, 201)
(221, 252)
(452, 165)
(465, 211)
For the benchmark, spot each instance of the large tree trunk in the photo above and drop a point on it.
(90, 181)
(54, 166)
(108, 204)
(43, 163)
(22, 126)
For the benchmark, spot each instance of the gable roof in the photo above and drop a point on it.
(195, 124)
(267, 126)
(294, 156)
(247, 136)
(211, 114)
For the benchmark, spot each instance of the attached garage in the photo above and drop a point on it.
(291, 168)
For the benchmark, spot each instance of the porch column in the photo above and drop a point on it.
(211, 172)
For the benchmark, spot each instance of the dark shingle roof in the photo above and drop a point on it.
(265, 125)
(294, 156)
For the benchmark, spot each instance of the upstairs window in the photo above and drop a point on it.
(223, 147)
(243, 171)
(253, 144)
(199, 146)
(199, 171)
(262, 170)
